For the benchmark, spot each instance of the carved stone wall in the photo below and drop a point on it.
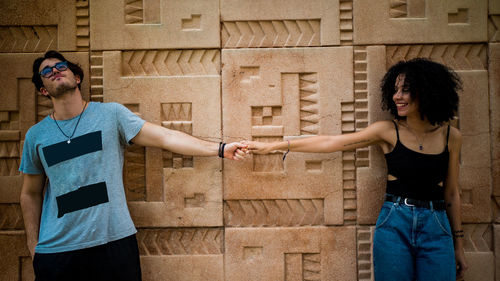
(263, 70)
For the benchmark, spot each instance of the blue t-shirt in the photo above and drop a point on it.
(84, 203)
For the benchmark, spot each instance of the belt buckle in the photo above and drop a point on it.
(407, 204)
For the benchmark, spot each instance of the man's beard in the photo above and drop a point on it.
(63, 89)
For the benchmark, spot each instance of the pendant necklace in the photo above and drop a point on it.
(420, 143)
(69, 137)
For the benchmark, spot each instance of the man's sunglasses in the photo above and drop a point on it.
(47, 71)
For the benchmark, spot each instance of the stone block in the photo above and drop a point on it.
(38, 26)
(154, 24)
(170, 189)
(181, 253)
(481, 266)
(419, 21)
(16, 260)
(306, 253)
(264, 23)
(494, 85)
(475, 166)
(21, 108)
(302, 92)
(182, 268)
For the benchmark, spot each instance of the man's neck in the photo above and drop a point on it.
(68, 105)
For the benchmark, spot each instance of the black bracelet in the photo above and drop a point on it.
(284, 155)
(221, 149)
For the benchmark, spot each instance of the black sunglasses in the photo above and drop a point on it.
(47, 71)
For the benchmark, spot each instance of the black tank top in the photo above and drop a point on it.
(418, 174)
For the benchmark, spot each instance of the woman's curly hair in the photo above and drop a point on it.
(432, 84)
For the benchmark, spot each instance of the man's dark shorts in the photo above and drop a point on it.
(117, 261)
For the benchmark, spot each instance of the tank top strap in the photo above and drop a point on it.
(448, 134)
(396, 126)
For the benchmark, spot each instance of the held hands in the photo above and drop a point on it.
(257, 147)
(235, 151)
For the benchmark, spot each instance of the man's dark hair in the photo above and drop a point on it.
(432, 84)
(37, 79)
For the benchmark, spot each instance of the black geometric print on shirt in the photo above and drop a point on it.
(82, 198)
(78, 146)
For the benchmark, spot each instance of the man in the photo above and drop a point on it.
(82, 229)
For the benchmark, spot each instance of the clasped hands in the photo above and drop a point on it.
(240, 150)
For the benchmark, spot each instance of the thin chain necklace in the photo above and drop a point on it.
(420, 143)
(74, 130)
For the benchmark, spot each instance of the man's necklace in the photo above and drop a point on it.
(74, 130)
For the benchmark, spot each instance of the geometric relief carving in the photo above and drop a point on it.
(271, 33)
(296, 253)
(365, 262)
(27, 39)
(196, 201)
(493, 28)
(9, 158)
(96, 76)
(170, 63)
(348, 164)
(346, 22)
(407, 9)
(180, 241)
(9, 120)
(391, 22)
(176, 161)
(192, 23)
(459, 17)
(134, 173)
(267, 126)
(177, 116)
(309, 103)
(302, 266)
(11, 217)
(287, 94)
(273, 212)
(82, 25)
(496, 209)
(142, 11)
(43, 107)
(456, 56)
(478, 238)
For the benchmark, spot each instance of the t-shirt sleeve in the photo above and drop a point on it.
(129, 124)
(30, 160)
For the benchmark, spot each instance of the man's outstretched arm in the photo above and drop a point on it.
(181, 143)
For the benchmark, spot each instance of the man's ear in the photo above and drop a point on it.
(44, 92)
(78, 80)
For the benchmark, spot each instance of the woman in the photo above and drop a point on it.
(413, 239)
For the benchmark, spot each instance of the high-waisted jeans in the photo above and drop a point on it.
(412, 243)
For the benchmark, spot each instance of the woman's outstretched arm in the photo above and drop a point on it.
(373, 134)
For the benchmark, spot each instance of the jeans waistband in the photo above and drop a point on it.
(429, 204)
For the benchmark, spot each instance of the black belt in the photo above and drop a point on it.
(436, 204)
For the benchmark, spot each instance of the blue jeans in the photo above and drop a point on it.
(412, 243)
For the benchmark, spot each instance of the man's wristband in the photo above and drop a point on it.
(221, 149)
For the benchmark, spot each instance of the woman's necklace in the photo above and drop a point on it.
(74, 130)
(420, 142)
